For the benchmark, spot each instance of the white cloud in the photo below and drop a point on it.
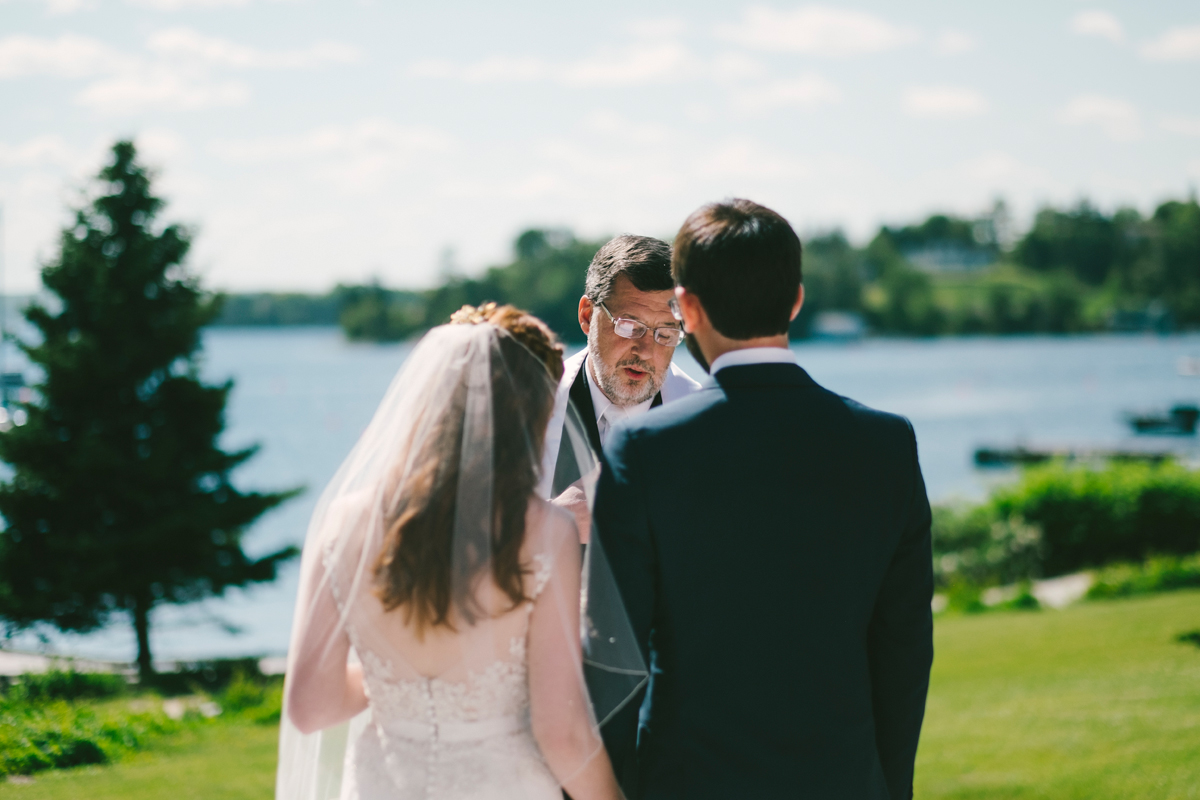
(952, 43)
(62, 7)
(615, 126)
(733, 67)
(358, 158)
(50, 149)
(745, 159)
(159, 88)
(1184, 126)
(68, 56)
(189, 45)
(353, 157)
(1177, 44)
(540, 185)
(638, 64)
(161, 145)
(997, 169)
(817, 30)
(1119, 119)
(943, 102)
(1098, 23)
(180, 5)
(658, 28)
(805, 90)
(491, 70)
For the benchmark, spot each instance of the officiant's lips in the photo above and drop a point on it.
(635, 374)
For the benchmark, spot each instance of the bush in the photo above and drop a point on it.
(58, 734)
(1155, 575)
(65, 685)
(44, 725)
(1092, 517)
(270, 709)
(243, 692)
(210, 677)
(976, 548)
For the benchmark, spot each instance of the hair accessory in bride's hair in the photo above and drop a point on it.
(522, 326)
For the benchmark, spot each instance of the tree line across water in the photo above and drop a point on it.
(1077, 269)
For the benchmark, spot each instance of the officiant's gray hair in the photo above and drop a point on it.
(646, 261)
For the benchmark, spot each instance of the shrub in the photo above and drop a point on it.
(59, 734)
(65, 685)
(271, 708)
(242, 693)
(1155, 575)
(1092, 517)
(975, 547)
(205, 676)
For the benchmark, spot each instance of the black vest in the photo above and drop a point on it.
(566, 469)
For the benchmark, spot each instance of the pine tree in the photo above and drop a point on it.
(120, 497)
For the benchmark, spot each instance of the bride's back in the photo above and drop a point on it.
(432, 561)
(452, 651)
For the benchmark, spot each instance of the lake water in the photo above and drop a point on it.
(305, 394)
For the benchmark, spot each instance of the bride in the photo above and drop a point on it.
(436, 648)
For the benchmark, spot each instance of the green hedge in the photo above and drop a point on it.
(1154, 575)
(1123, 512)
(64, 685)
(974, 547)
(67, 719)
(59, 734)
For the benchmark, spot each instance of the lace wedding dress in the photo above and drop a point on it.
(449, 739)
(447, 709)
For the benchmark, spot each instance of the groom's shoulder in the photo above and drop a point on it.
(680, 412)
(873, 420)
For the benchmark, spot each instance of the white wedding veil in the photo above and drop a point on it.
(429, 560)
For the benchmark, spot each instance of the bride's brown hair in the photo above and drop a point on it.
(423, 566)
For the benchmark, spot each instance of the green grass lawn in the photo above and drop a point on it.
(1097, 701)
(222, 761)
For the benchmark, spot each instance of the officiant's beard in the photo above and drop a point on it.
(622, 391)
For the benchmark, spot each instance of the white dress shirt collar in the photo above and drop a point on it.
(753, 355)
(608, 413)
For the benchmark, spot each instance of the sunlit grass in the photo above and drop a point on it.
(221, 761)
(1098, 701)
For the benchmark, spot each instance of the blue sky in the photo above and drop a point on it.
(316, 142)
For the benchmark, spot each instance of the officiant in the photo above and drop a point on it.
(626, 368)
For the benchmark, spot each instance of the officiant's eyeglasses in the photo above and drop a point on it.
(632, 329)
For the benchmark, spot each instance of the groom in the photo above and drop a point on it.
(779, 583)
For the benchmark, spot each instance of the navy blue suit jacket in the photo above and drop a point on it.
(771, 541)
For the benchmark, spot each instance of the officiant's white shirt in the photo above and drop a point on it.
(609, 413)
(678, 384)
(752, 355)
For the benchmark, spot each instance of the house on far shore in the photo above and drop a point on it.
(950, 256)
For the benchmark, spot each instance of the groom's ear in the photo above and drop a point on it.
(799, 301)
(585, 314)
(691, 309)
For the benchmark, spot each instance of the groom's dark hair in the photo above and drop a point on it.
(742, 261)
